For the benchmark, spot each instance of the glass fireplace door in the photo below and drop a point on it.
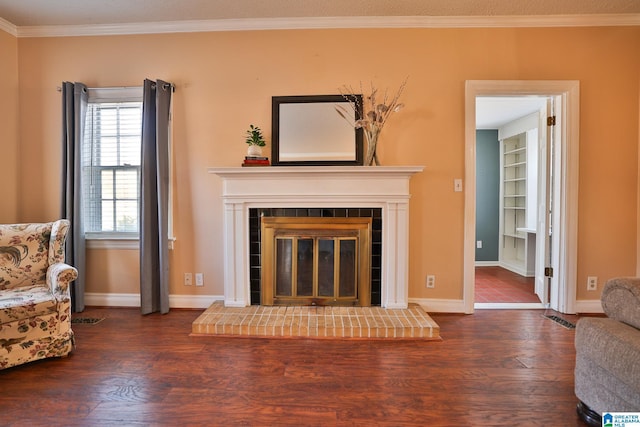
(316, 265)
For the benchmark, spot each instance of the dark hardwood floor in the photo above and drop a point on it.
(493, 368)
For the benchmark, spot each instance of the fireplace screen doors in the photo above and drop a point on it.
(315, 261)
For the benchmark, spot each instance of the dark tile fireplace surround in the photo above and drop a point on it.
(376, 241)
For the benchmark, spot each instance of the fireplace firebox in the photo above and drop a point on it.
(318, 260)
(375, 243)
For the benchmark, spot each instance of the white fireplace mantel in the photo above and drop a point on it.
(385, 187)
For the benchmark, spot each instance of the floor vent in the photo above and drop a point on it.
(561, 322)
(87, 320)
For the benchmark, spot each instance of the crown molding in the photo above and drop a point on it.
(8, 27)
(261, 24)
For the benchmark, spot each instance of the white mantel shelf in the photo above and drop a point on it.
(316, 170)
(385, 187)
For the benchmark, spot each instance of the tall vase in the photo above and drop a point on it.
(372, 144)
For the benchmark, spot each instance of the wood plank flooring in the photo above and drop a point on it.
(493, 368)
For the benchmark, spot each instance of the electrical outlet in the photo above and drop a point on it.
(592, 283)
(188, 279)
(479, 244)
(199, 279)
(431, 281)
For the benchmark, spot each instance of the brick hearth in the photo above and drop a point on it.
(317, 322)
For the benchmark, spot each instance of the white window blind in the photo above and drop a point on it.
(111, 163)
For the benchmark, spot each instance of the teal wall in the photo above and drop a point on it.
(487, 194)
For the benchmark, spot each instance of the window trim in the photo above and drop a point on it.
(94, 241)
(111, 242)
(114, 94)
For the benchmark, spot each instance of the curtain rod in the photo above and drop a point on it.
(173, 87)
(59, 88)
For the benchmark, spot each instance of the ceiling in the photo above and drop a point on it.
(492, 112)
(29, 13)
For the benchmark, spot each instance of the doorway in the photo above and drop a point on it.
(559, 290)
(513, 168)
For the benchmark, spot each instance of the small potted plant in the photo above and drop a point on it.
(255, 140)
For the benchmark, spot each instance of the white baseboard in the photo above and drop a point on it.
(440, 305)
(193, 301)
(112, 300)
(517, 269)
(487, 263)
(133, 300)
(457, 306)
(508, 305)
(204, 301)
(589, 306)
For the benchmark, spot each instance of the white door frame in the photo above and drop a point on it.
(563, 299)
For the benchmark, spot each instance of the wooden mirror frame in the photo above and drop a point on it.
(276, 122)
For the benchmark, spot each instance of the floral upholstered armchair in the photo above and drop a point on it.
(35, 303)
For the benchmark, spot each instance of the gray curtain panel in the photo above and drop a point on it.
(154, 206)
(74, 107)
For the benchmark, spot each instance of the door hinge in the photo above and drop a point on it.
(551, 121)
(548, 271)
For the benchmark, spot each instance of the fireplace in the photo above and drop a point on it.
(383, 189)
(315, 259)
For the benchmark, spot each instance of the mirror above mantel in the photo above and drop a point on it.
(308, 131)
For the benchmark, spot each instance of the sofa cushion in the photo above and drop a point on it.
(601, 391)
(24, 253)
(26, 303)
(611, 345)
(621, 300)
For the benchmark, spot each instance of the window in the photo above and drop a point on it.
(111, 163)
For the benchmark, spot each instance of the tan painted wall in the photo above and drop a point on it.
(225, 82)
(9, 128)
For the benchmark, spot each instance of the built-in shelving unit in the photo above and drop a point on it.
(519, 144)
(514, 202)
